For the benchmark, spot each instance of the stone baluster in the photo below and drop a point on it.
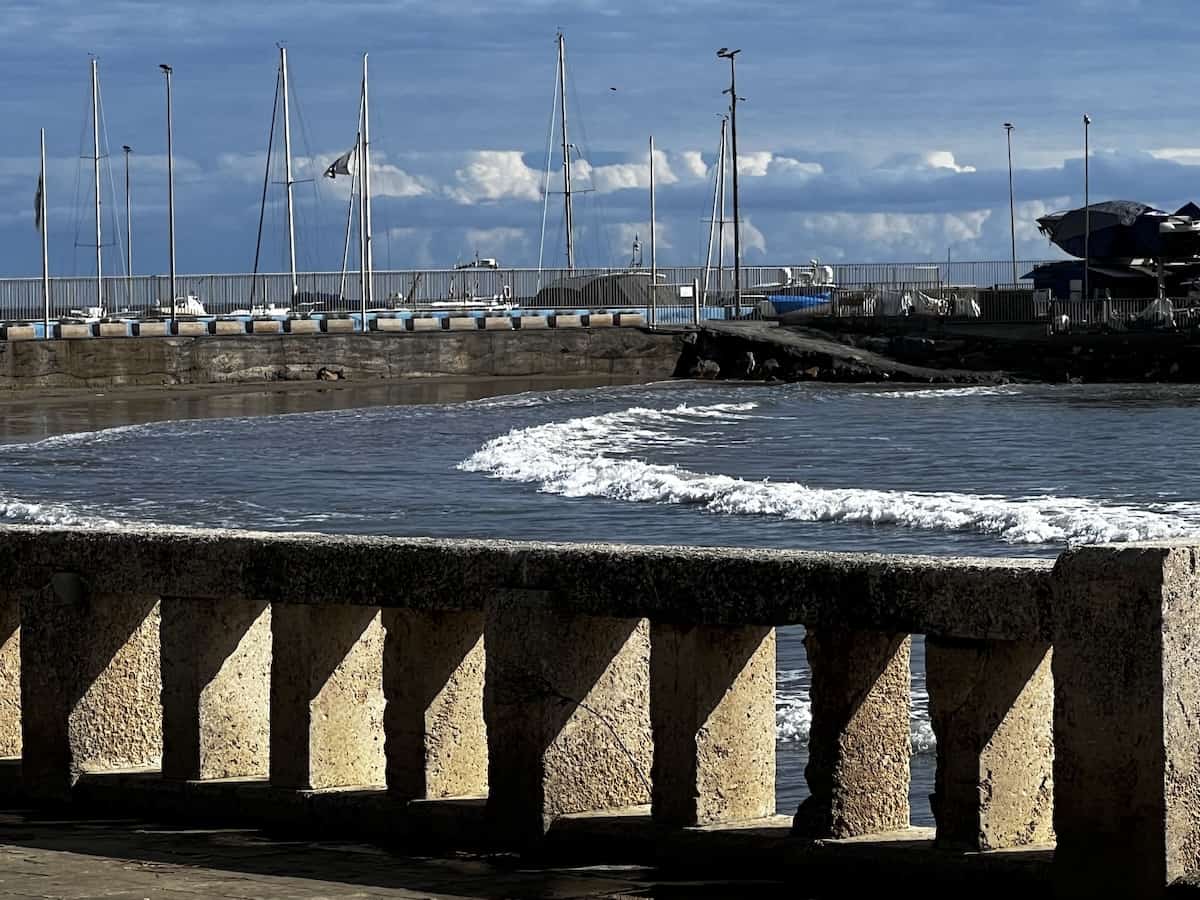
(433, 674)
(90, 684)
(567, 707)
(991, 704)
(10, 675)
(712, 707)
(1126, 719)
(326, 696)
(859, 744)
(216, 688)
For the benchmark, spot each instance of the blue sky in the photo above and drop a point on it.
(871, 130)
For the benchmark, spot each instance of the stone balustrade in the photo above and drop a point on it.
(556, 684)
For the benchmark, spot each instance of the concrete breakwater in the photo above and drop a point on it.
(214, 359)
(616, 704)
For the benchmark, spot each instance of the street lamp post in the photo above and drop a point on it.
(726, 53)
(170, 192)
(1087, 210)
(1012, 215)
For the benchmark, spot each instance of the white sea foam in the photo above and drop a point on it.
(793, 722)
(595, 456)
(924, 393)
(19, 511)
(79, 438)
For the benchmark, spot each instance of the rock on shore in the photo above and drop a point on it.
(765, 351)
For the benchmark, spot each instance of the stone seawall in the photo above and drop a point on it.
(116, 362)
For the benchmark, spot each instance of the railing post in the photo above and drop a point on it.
(326, 696)
(1126, 719)
(90, 684)
(216, 665)
(433, 671)
(712, 707)
(859, 744)
(991, 704)
(567, 708)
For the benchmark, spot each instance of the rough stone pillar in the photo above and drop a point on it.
(712, 706)
(326, 696)
(567, 705)
(859, 745)
(10, 676)
(992, 708)
(216, 672)
(90, 684)
(1126, 719)
(433, 665)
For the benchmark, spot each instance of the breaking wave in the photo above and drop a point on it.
(597, 456)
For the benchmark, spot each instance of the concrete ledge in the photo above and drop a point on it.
(72, 331)
(426, 323)
(463, 323)
(632, 320)
(114, 329)
(338, 326)
(566, 321)
(192, 329)
(20, 333)
(525, 323)
(266, 326)
(498, 323)
(599, 320)
(395, 325)
(983, 599)
(152, 329)
(229, 327)
(302, 326)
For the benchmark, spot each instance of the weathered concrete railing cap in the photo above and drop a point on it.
(952, 597)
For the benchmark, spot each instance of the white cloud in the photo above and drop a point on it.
(794, 168)
(388, 180)
(944, 159)
(491, 175)
(692, 163)
(1187, 156)
(624, 233)
(752, 238)
(408, 247)
(755, 163)
(624, 176)
(501, 243)
(922, 235)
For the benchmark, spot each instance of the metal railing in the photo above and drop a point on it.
(223, 294)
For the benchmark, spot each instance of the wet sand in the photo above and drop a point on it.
(35, 414)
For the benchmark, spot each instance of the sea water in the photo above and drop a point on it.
(996, 471)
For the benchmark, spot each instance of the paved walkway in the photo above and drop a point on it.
(73, 859)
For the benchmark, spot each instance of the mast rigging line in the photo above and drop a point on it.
(546, 187)
(262, 209)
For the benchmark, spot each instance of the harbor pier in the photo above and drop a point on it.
(615, 704)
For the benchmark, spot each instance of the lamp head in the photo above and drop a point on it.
(1087, 120)
(1008, 126)
(166, 69)
(127, 148)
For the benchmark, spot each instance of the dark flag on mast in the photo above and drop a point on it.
(344, 164)
(37, 206)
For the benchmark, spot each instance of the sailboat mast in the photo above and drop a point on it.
(287, 168)
(569, 218)
(369, 294)
(96, 177)
(41, 214)
(712, 222)
(653, 245)
(721, 178)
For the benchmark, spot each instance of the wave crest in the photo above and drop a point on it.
(593, 457)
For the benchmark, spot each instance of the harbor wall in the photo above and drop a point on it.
(214, 359)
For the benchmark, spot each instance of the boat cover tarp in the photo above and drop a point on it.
(623, 289)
